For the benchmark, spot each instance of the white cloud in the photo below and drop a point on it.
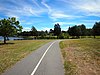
(47, 6)
(59, 15)
(28, 11)
(12, 15)
(67, 24)
(88, 7)
(65, 28)
(46, 28)
(28, 23)
(53, 14)
(35, 2)
(20, 9)
(26, 29)
(61, 23)
(90, 21)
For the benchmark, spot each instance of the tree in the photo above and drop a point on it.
(51, 32)
(25, 33)
(9, 27)
(65, 34)
(96, 29)
(89, 32)
(46, 32)
(83, 30)
(74, 31)
(77, 30)
(34, 32)
(57, 29)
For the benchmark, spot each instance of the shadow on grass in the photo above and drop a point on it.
(6, 43)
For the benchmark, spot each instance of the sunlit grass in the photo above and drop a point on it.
(15, 50)
(84, 54)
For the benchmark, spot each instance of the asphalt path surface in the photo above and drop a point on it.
(46, 60)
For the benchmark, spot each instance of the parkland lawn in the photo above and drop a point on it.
(16, 50)
(81, 56)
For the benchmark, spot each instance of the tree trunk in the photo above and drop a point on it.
(4, 39)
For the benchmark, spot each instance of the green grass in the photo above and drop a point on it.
(15, 50)
(69, 68)
(81, 56)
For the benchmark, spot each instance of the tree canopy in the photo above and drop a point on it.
(96, 29)
(34, 32)
(57, 29)
(77, 30)
(82, 30)
(9, 27)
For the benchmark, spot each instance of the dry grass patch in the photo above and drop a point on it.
(82, 57)
(15, 50)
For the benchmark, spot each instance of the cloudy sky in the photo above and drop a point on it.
(43, 14)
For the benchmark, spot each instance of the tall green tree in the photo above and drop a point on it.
(89, 32)
(46, 32)
(57, 29)
(74, 31)
(34, 31)
(9, 27)
(96, 29)
(83, 30)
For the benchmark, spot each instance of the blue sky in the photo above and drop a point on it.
(43, 14)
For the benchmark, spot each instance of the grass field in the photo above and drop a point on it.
(81, 57)
(15, 50)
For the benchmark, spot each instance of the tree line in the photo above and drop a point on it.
(12, 27)
(81, 30)
(43, 34)
(75, 31)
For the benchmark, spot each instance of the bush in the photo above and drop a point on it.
(63, 36)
